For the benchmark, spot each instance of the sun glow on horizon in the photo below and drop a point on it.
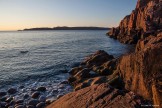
(21, 14)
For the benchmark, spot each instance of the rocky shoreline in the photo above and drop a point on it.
(131, 81)
(33, 95)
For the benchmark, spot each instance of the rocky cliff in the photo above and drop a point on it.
(145, 20)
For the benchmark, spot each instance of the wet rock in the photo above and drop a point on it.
(12, 90)
(41, 105)
(48, 101)
(42, 89)
(20, 106)
(4, 98)
(9, 99)
(26, 96)
(2, 94)
(55, 91)
(19, 101)
(59, 96)
(64, 82)
(12, 103)
(3, 104)
(30, 106)
(33, 102)
(75, 70)
(42, 99)
(21, 87)
(35, 94)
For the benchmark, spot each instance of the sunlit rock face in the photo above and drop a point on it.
(141, 71)
(145, 20)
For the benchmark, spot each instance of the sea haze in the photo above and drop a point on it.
(28, 57)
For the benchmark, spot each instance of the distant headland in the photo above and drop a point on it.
(66, 28)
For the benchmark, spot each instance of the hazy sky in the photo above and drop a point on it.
(20, 14)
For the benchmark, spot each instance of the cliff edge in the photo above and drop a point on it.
(145, 20)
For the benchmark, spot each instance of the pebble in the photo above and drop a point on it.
(54, 91)
(20, 106)
(3, 104)
(42, 89)
(9, 99)
(41, 105)
(12, 102)
(33, 102)
(42, 99)
(3, 98)
(2, 94)
(35, 95)
(12, 91)
(58, 96)
(64, 82)
(30, 106)
(21, 87)
(19, 101)
(26, 96)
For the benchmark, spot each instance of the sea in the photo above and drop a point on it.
(30, 59)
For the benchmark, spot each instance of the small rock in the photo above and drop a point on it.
(41, 105)
(30, 106)
(33, 102)
(20, 106)
(35, 94)
(9, 99)
(42, 89)
(54, 91)
(48, 101)
(3, 104)
(2, 94)
(26, 96)
(21, 87)
(12, 103)
(58, 96)
(19, 101)
(3, 98)
(61, 86)
(42, 99)
(12, 91)
(64, 82)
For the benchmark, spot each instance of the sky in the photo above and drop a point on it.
(20, 14)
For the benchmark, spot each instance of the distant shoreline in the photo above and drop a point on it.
(65, 28)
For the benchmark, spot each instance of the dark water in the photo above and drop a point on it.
(36, 58)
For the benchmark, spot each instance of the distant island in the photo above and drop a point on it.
(66, 28)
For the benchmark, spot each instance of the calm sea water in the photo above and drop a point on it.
(42, 56)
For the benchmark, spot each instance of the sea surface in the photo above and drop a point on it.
(42, 58)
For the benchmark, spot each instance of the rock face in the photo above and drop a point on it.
(142, 71)
(145, 20)
(98, 96)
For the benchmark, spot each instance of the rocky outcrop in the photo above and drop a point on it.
(98, 96)
(145, 20)
(131, 81)
(142, 71)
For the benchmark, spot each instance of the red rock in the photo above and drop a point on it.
(96, 96)
(146, 17)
